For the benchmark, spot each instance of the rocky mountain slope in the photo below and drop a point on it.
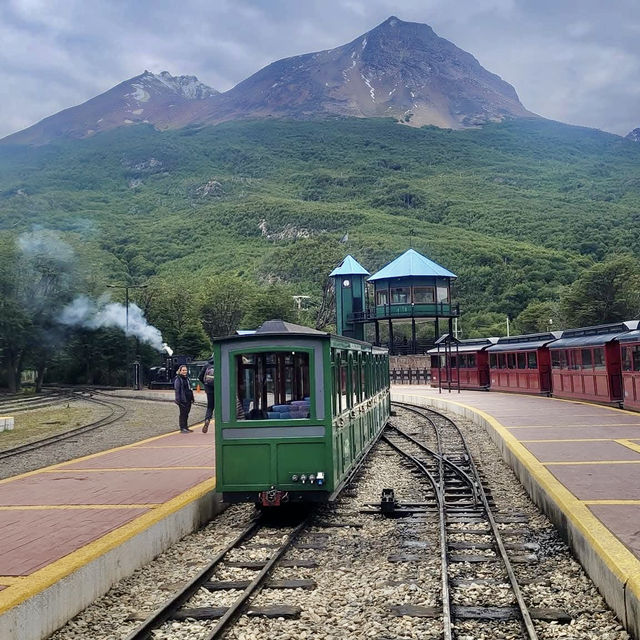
(158, 99)
(398, 69)
(634, 135)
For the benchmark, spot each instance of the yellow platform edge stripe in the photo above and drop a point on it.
(120, 469)
(630, 444)
(572, 426)
(53, 507)
(620, 561)
(43, 578)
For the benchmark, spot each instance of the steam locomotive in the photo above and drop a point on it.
(161, 376)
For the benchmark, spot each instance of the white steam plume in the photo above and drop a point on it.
(84, 312)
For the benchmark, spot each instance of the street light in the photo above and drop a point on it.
(126, 288)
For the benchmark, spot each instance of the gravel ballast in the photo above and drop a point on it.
(364, 571)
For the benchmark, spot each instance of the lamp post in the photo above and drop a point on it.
(126, 288)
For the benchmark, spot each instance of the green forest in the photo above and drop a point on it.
(223, 225)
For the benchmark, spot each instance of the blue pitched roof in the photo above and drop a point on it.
(349, 267)
(411, 263)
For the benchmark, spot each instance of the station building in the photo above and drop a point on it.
(406, 306)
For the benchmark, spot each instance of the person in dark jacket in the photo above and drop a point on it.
(206, 377)
(184, 397)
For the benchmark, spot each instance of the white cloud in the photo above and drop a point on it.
(576, 61)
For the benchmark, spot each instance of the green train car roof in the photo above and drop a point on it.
(281, 328)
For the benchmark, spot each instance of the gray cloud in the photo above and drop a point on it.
(577, 61)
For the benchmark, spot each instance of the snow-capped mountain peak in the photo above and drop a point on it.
(188, 87)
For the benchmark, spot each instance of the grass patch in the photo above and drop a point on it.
(36, 424)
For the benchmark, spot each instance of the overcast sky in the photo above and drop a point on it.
(577, 61)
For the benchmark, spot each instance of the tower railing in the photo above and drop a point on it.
(406, 310)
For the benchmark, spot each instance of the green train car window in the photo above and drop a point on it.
(273, 386)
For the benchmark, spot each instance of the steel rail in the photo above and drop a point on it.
(128, 397)
(255, 585)
(27, 403)
(60, 437)
(444, 560)
(526, 620)
(170, 606)
(525, 616)
(454, 467)
(357, 465)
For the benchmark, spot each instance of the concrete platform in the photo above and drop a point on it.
(70, 531)
(580, 463)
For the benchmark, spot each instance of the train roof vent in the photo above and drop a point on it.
(280, 326)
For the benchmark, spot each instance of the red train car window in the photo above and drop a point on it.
(586, 358)
(564, 360)
(511, 360)
(522, 361)
(636, 358)
(598, 358)
(573, 359)
(493, 361)
(471, 362)
(626, 358)
(533, 359)
(555, 359)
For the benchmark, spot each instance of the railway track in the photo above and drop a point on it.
(260, 534)
(145, 399)
(116, 412)
(350, 574)
(17, 403)
(52, 397)
(469, 532)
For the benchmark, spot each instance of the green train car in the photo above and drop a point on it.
(295, 410)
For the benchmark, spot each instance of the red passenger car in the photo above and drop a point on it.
(521, 363)
(587, 365)
(630, 352)
(469, 364)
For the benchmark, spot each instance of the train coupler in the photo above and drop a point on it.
(273, 497)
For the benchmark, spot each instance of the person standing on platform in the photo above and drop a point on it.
(184, 397)
(206, 377)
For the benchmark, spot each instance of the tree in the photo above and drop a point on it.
(483, 325)
(539, 317)
(37, 280)
(224, 300)
(194, 342)
(171, 306)
(45, 282)
(607, 292)
(274, 302)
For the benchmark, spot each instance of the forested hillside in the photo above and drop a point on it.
(517, 210)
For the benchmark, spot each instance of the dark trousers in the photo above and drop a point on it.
(209, 391)
(184, 415)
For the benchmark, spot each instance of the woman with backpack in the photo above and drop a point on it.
(206, 377)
